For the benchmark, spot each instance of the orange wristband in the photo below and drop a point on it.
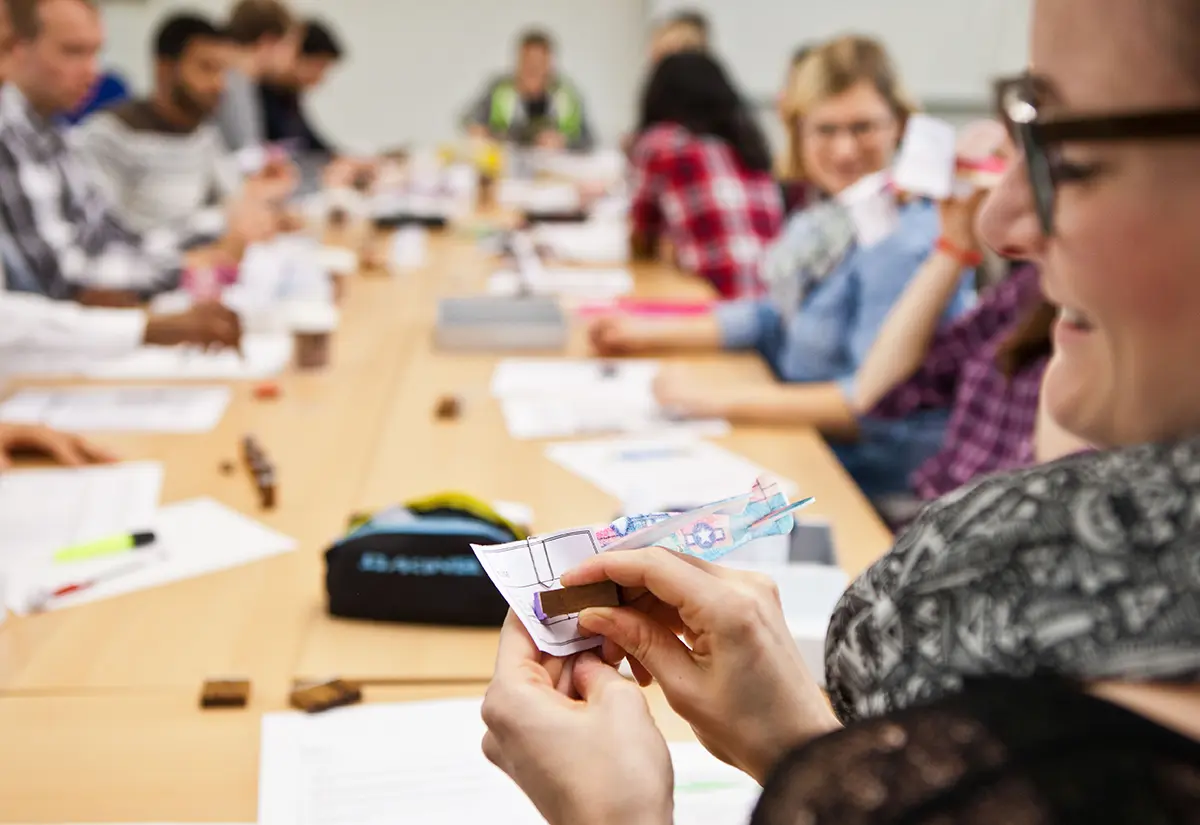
(963, 256)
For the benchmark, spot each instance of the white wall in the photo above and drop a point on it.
(415, 64)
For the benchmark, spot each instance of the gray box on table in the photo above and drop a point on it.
(490, 323)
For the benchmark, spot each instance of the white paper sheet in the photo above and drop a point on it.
(44, 511)
(263, 356)
(120, 409)
(422, 763)
(521, 569)
(594, 242)
(542, 376)
(585, 284)
(587, 415)
(651, 474)
(925, 165)
(195, 537)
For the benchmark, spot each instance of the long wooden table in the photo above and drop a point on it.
(98, 704)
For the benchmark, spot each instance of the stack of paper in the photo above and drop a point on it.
(44, 511)
(422, 762)
(127, 409)
(566, 398)
(263, 356)
(193, 538)
(660, 474)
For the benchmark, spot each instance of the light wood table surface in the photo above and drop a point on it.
(98, 704)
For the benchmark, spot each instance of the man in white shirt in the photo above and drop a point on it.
(30, 322)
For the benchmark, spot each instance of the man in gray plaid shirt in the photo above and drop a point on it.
(64, 232)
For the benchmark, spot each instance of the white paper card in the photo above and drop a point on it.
(364, 764)
(120, 409)
(872, 208)
(195, 537)
(925, 165)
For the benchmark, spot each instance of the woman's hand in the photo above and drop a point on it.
(738, 680)
(681, 392)
(575, 736)
(66, 449)
(958, 220)
(613, 335)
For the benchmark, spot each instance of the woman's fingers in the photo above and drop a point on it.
(658, 649)
(676, 580)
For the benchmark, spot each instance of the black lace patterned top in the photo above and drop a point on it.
(1001, 752)
(1088, 568)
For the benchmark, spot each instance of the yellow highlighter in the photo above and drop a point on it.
(105, 547)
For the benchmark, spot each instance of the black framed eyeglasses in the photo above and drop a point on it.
(1017, 101)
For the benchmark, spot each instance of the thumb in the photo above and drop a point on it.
(653, 644)
(593, 677)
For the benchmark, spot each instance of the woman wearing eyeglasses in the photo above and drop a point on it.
(827, 295)
(1030, 650)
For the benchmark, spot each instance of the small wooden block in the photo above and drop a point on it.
(552, 603)
(449, 407)
(225, 693)
(324, 696)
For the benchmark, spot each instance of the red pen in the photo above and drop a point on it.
(41, 600)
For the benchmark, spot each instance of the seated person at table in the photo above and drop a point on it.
(283, 101)
(985, 368)
(828, 297)
(682, 31)
(701, 176)
(798, 193)
(534, 106)
(1029, 651)
(162, 161)
(109, 90)
(66, 449)
(65, 235)
(32, 323)
(265, 40)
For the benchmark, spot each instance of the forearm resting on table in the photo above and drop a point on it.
(907, 334)
(822, 406)
(698, 334)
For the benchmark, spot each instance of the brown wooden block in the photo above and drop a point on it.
(326, 695)
(552, 603)
(225, 693)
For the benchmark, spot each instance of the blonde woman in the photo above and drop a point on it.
(827, 296)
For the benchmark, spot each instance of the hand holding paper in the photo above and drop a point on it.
(523, 570)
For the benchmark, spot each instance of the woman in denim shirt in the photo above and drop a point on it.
(828, 295)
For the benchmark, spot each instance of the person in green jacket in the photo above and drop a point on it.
(534, 106)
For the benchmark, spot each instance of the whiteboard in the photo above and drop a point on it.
(947, 50)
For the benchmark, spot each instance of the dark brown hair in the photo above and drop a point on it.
(252, 20)
(26, 22)
(536, 38)
(1029, 341)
